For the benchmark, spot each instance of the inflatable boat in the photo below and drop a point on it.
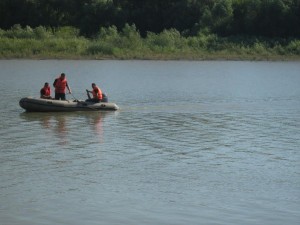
(31, 104)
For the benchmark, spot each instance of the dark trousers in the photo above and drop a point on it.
(61, 96)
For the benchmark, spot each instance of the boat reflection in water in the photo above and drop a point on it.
(65, 126)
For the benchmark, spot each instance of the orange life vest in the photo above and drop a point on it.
(60, 86)
(46, 90)
(97, 93)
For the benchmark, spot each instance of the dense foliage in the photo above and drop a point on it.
(268, 18)
(65, 42)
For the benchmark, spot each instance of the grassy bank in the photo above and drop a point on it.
(66, 43)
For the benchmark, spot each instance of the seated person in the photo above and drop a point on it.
(46, 91)
(97, 94)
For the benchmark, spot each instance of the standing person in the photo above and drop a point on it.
(60, 85)
(97, 94)
(46, 91)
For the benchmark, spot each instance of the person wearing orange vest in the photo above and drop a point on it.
(46, 91)
(97, 94)
(60, 85)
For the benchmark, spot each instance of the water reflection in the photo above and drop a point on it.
(61, 129)
(96, 123)
(64, 126)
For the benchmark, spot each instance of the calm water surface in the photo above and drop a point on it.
(194, 143)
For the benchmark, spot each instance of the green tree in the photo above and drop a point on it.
(245, 16)
(222, 14)
(271, 18)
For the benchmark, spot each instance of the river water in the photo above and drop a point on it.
(212, 142)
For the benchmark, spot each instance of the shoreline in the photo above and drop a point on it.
(275, 58)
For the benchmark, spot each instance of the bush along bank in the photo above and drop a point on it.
(110, 43)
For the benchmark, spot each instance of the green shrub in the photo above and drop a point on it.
(18, 32)
(168, 40)
(99, 47)
(294, 47)
(130, 38)
(109, 33)
(41, 32)
(66, 32)
(65, 42)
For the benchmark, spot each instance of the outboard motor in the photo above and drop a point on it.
(104, 98)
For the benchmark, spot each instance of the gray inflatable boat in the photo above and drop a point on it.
(31, 104)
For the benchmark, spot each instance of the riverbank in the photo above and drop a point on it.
(199, 57)
(66, 43)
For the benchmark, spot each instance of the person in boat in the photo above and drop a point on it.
(60, 85)
(46, 91)
(96, 92)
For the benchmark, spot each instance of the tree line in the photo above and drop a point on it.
(266, 18)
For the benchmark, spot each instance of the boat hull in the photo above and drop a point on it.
(48, 105)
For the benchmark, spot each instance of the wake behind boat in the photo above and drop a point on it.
(31, 104)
